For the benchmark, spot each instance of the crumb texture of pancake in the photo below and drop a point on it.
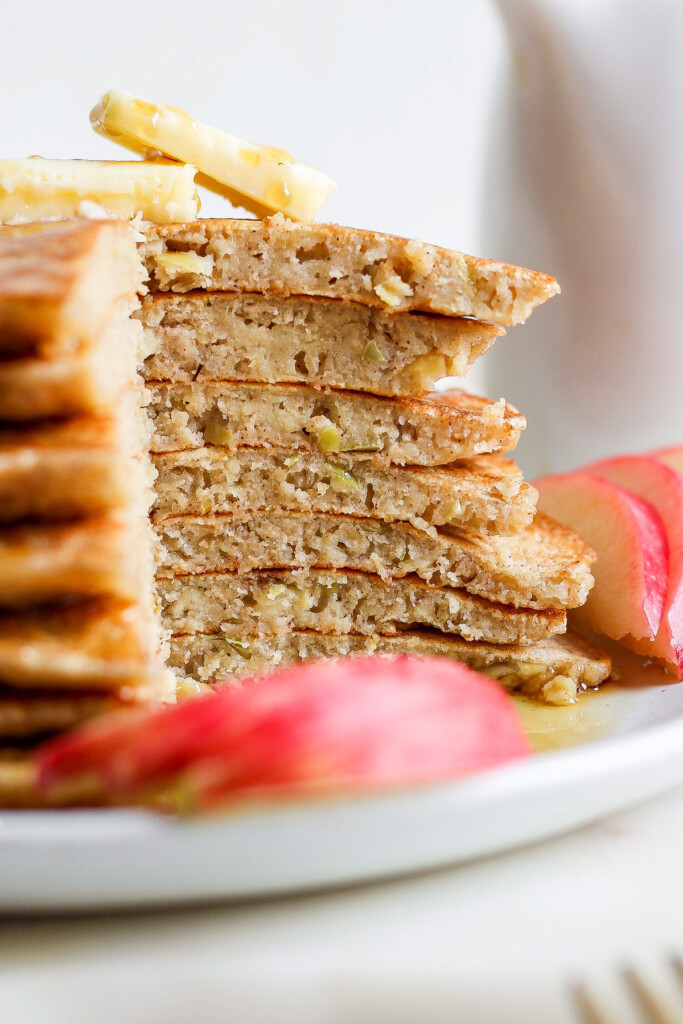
(277, 256)
(544, 566)
(415, 431)
(276, 601)
(486, 494)
(321, 342)
(224, 448)
(554, 670)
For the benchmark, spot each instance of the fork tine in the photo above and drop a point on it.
(589, 1012)
(649, 1007)
(677, 964)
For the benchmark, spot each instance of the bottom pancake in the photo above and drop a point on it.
(18, 779)
(554, 670)
(19, 783)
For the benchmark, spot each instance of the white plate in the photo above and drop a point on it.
(630, 746)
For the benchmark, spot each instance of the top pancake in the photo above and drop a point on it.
(278, 256)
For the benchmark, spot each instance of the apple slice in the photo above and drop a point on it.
(354, 723)
(673, 456)
(653, 481)
(631, 571)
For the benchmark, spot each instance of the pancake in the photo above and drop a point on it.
(97, 645)
(486, 494)
(553, 670)
(101, 557)
(19, 782)
(88, 382)
(59, 282)
(544, 566)
(59, 469)
(278, 256)
(420, 431)
(43, 712)
(321, 342)
(272, 602)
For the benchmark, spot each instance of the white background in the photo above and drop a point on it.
(389, 97)
(416, 109)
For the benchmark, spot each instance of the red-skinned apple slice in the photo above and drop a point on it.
(653, 481)
(355, 723)
(631, 571)
(673, 456)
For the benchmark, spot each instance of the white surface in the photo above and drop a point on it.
(389, 99)
(118, 859)
(496, 942)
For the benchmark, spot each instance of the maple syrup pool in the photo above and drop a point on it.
(618, 706)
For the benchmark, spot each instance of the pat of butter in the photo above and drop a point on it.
(261, 179)
(36, 189)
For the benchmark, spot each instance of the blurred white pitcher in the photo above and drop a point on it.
(585, 182)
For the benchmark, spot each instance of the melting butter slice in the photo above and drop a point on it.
(260, 179)
(37, 189)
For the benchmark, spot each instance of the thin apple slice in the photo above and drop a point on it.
(653, 481)
(631, 570)
(672, 456)
(354, 723)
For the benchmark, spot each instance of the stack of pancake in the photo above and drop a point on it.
(78, 627)
(314, 498)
